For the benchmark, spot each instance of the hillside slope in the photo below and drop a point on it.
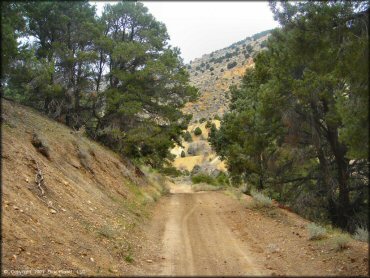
(83, 216)
(214, 73)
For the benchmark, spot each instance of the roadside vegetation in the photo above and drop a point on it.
(297, 129)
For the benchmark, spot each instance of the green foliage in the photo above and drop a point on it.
(231, 65)
(199, 178)
(197, 131)
(170, 171)
(183, 154)
(298, 123)
(187, 137)
(62, 71)
(208, 124)
(202, 120)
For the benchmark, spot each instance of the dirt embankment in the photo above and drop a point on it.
(210, 233)
(83, 217)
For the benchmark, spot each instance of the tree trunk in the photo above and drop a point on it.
(339, 151)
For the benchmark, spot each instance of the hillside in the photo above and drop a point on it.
(215, 72)
(82, 213)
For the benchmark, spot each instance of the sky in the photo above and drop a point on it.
(199, 28)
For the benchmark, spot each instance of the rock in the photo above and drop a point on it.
(92, 259)
(27, 180)
(53, 211)
(149, 261)
(65, 183)
(15, 208)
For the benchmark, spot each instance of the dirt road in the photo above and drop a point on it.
(210, 233)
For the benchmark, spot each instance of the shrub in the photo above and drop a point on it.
(361, 234)
(231, 65)
(182, 154)
(84, 158)
(197, 131)
(129, 258)
(40, 145)
(222, 179)
(107, 232)
(199, 178)
(187, 137)
(208, 124)
(217, 117)
(341, 241)
(211, 69)
(315, 231)
(222, 70)
(202, 120)
(261, 200)
(170, 171)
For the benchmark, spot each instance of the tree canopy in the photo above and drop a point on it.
(298, 124)
(114, 74)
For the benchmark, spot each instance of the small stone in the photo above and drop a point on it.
(91, 209)
(15, 208)
(53, 211)
(149, 261)
(66, 183)
(21, 211)
(92, 259)
(88, 201)
(27, 180)
(64, 210)
(353, 260)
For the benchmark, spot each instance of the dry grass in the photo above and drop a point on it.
(205, 187)
(361, 234)
(259, 201)
(341, 241)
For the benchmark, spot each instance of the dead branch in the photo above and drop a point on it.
(39, 179)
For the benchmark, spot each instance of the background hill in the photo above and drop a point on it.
(214, 73)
